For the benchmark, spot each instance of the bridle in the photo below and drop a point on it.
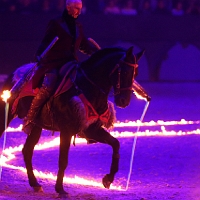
(118, 88)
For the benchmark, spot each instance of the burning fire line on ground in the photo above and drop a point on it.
(8, 153)
(132, 124)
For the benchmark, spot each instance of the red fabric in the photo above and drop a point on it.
(27, 91)
(65, 85)
(91, 113)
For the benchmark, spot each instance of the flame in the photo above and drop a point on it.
(127, 123)
(9, 153)
(6, 95)
(163, 132)
(154, 123)
(139, 91)
(139, 96)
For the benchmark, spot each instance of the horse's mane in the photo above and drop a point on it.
(91, 60)
(103, 52)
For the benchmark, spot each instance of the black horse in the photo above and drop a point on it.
(83, 109)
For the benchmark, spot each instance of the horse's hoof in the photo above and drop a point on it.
(38, 189)
(106, 182)
(63, 195)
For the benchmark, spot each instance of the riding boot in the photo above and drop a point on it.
(39, 100)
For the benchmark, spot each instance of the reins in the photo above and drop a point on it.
(85, 75)
(118, 88)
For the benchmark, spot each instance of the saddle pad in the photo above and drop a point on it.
(66, 83)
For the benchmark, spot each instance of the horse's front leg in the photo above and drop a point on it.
(27, 151)
(101, 135)
(65, 140)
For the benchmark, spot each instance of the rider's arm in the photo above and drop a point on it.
(86, 46)
(50, 34)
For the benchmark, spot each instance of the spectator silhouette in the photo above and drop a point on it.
(60, 5)
(129, 8)
(193, 7)
(177, 9)
(26, 7)
(8, 6)
(46, 6)
(145, 7)
(112, 7)
(161, 8)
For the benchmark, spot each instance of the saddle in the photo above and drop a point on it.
(66, 74)
(86, 111)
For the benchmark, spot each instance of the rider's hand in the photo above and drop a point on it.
(36, 90)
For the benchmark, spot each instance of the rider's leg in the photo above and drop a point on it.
(42, 96)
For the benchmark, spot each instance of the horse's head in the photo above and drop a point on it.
(122, 77)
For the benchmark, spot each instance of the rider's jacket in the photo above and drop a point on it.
(71, 39)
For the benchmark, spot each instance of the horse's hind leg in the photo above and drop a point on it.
(65, 141)
(101, 135)
(27, 151)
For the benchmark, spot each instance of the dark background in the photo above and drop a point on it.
(172, 43)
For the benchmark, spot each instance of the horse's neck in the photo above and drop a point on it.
(96, 84)
(94, 92)
(100, 70)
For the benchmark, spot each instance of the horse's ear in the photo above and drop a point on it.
(129, 52)
(140, 54)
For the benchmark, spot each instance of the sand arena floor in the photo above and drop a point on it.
(164, 167)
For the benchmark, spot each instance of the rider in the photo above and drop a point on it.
(71, 39)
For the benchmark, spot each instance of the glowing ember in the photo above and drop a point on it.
(6, 95)
(139, 96)
(139, 91)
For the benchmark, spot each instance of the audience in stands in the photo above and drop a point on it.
(177, 9)
(161, 8)
(124, 7)
(129, 8)
(145, 8)
(8, 6)
(59, 5)
(46, 6)
(193, 7)
(112, 7)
